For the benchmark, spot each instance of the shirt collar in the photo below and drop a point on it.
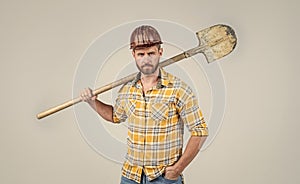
(163, 79)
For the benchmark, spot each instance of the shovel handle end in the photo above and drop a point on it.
(57, 108)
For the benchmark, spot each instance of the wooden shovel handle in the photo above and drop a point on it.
(58, 108)
(214, 42)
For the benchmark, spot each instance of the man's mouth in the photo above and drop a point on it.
(147, 65)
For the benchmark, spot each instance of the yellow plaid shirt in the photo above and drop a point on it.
(156, 122)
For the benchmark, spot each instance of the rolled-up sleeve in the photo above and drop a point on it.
(119, 112)
(192, 117)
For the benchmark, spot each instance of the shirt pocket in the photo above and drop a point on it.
(160, 111)
(130, 107)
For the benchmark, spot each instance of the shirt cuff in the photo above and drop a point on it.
(200, 132)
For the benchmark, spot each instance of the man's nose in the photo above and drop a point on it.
(146, 58)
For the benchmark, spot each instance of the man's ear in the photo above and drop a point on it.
(132, 52)
(161, 50)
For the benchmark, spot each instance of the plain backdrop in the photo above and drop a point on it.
(41, 43)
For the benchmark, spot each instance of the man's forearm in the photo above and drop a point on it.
(191, 150)
(104, 110)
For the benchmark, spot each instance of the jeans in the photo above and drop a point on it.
(159, 180)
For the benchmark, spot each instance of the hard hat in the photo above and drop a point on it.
(144, 36)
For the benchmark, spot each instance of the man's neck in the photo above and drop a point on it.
(148, 81)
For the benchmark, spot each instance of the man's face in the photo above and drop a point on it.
(147, 59)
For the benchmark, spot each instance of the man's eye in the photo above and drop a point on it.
(140, 54)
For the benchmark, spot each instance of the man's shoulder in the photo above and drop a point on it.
(126, 87)
(177, 82)
(182, 89)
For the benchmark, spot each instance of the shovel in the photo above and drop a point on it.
(215, 42)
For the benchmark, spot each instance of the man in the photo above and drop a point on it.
(156, 106)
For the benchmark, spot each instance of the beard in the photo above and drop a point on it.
(148, 69)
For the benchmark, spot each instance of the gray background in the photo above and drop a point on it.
(41, 43)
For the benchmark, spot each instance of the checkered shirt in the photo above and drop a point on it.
(156, 122)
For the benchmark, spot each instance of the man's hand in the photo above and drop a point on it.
(172, 173)
(104, 110)
(87, 96)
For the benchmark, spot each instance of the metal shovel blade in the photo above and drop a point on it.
(216, 41)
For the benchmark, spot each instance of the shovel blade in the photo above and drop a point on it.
(217, 41)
